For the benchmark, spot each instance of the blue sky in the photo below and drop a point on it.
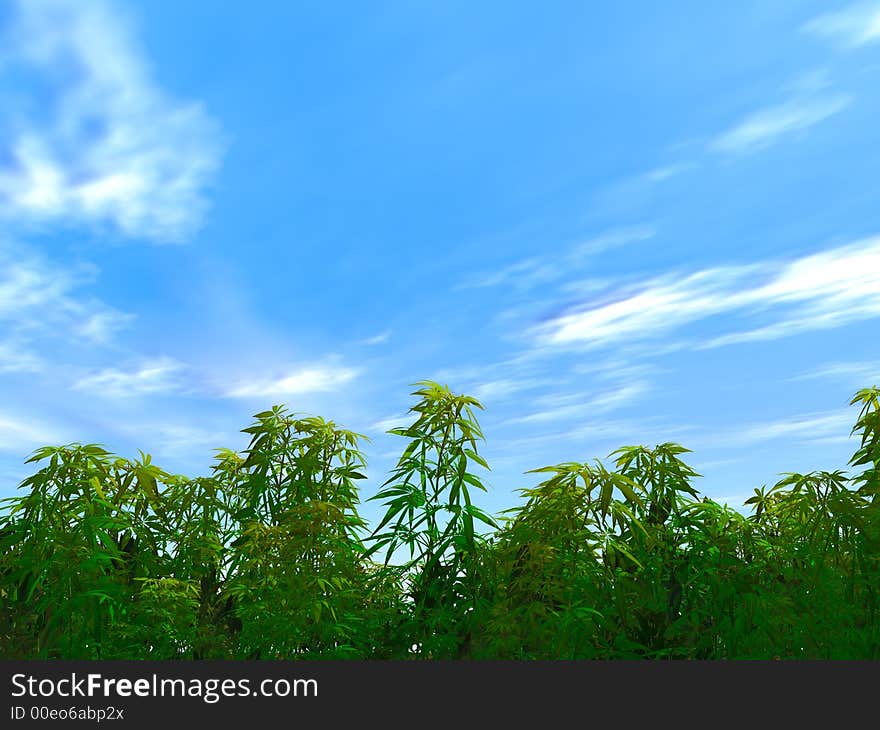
(614, 225)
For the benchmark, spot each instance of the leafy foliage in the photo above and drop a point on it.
(105, 558)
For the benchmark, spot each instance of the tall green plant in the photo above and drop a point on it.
(431, 518)
(299, 581)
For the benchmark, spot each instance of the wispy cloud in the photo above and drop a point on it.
(771, 124)
(522, 274)
(608, 240)
(856, 25)
(817, 427)
(536, 270)
(667, 172)
(625, 195)
(819, 291)
(149, 377)
(39, 298)
(168, 439)
(102, 326)
(580, 405)
(111, 145)
(386, 424)
(599, 434)
(304, 380)
(378, 339)
(641, 311)
(499, 389)
(866, 373)
(18, 435)
(15, 357)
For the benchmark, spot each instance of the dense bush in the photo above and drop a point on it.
(110, 558)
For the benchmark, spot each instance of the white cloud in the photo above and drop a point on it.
(16, 358)
(113, 146)
(767, 126)
(854, 26)
(101, 326)
(536, 270)
(523, 274)
(659, 304)
(377, 339)
(178, 440)
(589, 285)
(386, 424)
(589, 436)
(502, 387)
(862, 372)
(821, 427)
(19, 435)
(828, 289)
(579, 405)
(701, 465)
(38, 298)
(31, 285)
(608, 240)
(662, 174)
(152, 376)
(638, 192)
(613, 399)
(305, 380)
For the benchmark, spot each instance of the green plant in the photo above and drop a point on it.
(109, 558)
